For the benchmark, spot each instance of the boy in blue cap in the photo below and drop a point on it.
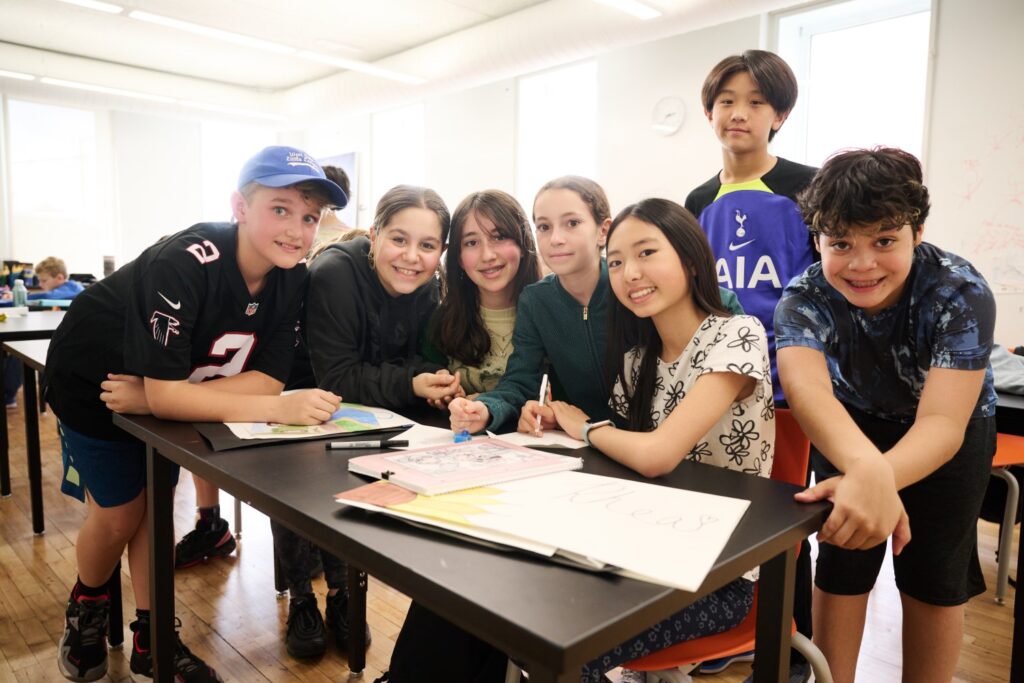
(884, 355)
(198, 321)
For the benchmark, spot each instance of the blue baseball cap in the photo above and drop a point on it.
(280, 166)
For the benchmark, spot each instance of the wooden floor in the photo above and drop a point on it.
(232, 618)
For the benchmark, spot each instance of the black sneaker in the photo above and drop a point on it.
(306, 636)
(336, 616)
(187, 667)
(82, 654)
(212, 539)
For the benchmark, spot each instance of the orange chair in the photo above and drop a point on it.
(792, 454)
(1009, 451)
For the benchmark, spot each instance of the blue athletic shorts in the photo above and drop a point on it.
(113, 472)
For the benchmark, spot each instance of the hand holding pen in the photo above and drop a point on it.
(536, 416)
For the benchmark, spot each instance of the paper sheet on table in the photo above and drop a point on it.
(664, 535)
(422, 436)
(349, 418)
(552, 438)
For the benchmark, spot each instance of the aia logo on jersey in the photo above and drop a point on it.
(163, 326)
(250, 310)
(205, 252)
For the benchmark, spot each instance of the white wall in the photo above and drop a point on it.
(975, 158)
(157, 179)
(633, 160)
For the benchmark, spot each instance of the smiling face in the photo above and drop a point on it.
(568, 237)
(741, 116)
(869, 265)
(645, 271)
(276, 227)
(406, 250)
(490, 260)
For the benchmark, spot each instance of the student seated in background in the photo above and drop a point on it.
(749, 212)
(369, 302)
(200, 327)
(883, 352)
(491, 257)
(53, 280)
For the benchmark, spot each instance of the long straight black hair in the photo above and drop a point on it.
(627, 331)
(459, 331)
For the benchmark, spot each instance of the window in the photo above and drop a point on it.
(54, 188)
(225, 148)
(397, 155)
(863, 71)
(556, 128)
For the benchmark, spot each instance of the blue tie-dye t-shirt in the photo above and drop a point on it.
(878, 364)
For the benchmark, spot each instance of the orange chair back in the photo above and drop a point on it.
(1009, 450)
(792, 449)
(792, 455)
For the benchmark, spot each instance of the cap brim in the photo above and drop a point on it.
(338, 197)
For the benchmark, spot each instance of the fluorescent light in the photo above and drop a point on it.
(633, 7)
(231, 110)
(15, 74)
(363, 67)
(215, 33)
(96, 5)
(107, 91)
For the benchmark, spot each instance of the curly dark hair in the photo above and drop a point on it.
(861, 187)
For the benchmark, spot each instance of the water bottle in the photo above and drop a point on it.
(19, 293)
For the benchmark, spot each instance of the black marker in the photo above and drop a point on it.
(382, 443)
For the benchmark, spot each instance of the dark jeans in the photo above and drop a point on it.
(298, 557)
(13, 375)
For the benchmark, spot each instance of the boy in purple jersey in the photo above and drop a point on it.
(748, 211)
(200, 327)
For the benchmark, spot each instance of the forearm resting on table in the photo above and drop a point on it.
(208, 402)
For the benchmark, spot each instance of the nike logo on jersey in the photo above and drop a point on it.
(173, 304)
(734, 247)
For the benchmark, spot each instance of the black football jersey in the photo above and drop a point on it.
(181, 310)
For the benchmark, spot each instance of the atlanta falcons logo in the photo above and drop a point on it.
(163, 326)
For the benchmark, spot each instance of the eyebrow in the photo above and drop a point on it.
(645, 240)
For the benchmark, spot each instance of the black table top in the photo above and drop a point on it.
(39, 325)
(32, 352)
(538, 611)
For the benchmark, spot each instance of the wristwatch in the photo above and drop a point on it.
(587, 426)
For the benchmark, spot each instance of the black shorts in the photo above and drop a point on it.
(940, 564)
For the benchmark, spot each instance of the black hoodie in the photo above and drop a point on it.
(363, 343)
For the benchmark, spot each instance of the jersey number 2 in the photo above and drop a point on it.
(238, 344)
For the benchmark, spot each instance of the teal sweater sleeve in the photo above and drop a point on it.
(730, 301)
(521, 380)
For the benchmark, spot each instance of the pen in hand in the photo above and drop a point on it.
(543, 396)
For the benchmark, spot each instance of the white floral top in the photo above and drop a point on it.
(744, 438)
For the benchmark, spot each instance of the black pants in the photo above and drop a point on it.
(298, 557)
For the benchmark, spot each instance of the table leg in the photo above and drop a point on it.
(159, 504)
(1017, 656)
(35, 470)
(356, 621)
(775, 618)
(5, 465)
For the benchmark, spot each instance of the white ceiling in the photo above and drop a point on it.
(353, 29)
(450, 44)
